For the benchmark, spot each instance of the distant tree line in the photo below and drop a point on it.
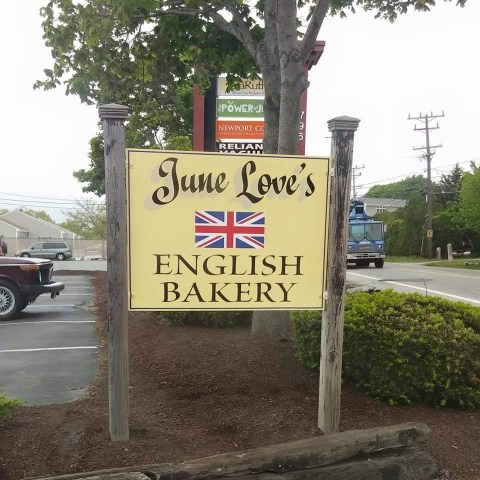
(456, 212)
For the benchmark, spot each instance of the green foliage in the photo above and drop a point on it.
(450, 184)
(94, 177)
(209, 319)
(410, 187)
(89, 220)
(465, 263)
(456, 210)
(307, 326)
(8, 405)
(469, 202)
(404, 348)
(147, 54)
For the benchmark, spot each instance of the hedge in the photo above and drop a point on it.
(403, 348)
(225, 319)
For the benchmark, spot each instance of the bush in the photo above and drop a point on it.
(7, 405)
(209, 319)
(403, 348)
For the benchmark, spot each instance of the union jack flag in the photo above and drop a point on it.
(229, 229)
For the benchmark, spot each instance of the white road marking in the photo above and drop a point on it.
(76, 294)
(47, 349)
(364, 276)
(46, 321)
(435, 272)
(422, 289)
(47, 305)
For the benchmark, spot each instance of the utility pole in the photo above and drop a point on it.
(428, 155)
(354, 175)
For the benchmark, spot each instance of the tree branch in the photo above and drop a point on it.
(313, 28)
(246, 36)
(222, 23)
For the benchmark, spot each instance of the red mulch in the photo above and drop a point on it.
(198, 391)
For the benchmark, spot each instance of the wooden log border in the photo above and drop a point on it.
(382, 453)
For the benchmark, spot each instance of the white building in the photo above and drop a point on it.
(17, 224)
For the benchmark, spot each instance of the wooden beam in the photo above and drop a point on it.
(113, 118)
(331, 349)
(299, 455)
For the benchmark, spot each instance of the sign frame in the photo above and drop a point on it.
(322, 201)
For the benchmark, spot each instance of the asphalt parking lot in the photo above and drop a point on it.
(49, 353)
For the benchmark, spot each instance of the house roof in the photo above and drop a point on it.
(14, 225)
(53, 225)
(383, 202)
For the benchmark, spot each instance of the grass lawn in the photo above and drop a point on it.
(467, 263)
(393, 259)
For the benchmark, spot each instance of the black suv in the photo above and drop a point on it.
(22, 280)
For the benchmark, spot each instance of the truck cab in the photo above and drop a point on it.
(365, 238)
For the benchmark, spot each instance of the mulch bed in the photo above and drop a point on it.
(196, 391)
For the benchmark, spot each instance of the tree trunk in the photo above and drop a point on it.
(269, 62)
(284, 82)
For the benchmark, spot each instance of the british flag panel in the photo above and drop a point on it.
(229, 229)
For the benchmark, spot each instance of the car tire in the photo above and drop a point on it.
(379, 263)
(11, 300)
(60, 257)
(25, 254)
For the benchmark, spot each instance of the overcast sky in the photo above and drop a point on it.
(371, 69)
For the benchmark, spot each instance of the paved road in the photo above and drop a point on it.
(450, 283)
(48, 355)
(83, 265)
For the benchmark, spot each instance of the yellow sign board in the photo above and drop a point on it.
(226, 232)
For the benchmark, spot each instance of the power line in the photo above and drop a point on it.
(38, 197)
(355, 175)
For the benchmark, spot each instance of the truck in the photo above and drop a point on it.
(365, 237)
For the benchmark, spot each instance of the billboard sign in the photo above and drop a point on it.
(255, 148)
(226, 232)
(239, 129)
(240, 107)
(246, 87)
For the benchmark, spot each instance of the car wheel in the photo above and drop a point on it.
(25, 254)
(60, 256)
(11, 300)
(379, 263)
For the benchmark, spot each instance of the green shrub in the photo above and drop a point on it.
(7, 405)
(403, 348)
(209, 319)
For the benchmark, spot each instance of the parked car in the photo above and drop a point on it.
(22, 280)
(51, 250)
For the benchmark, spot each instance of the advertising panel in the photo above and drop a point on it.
(239, 129)
(255, 148)
(240, 107)
(226, 232)
(247, 87)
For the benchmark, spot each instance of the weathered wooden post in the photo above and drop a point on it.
(113, 118)
(343, 131)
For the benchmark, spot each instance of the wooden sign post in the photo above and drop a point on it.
(343, 130)
(113, 118)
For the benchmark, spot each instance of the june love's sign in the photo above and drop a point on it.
(226, 232)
